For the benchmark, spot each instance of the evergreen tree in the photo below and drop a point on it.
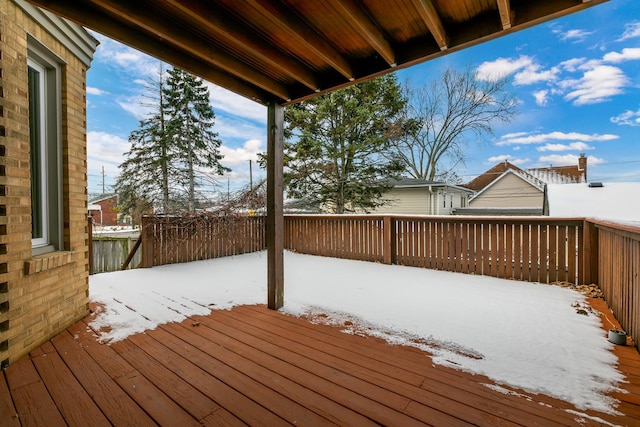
(337, 152)
(173, 149)
(146, 173)
(189, 128)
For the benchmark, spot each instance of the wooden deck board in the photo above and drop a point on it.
(68, 394)
(8, 413)
(253, 366)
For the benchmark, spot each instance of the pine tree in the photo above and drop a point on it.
(172, 149)
(146, 172)
(189, 128)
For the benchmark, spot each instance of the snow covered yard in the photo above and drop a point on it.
(525, 335)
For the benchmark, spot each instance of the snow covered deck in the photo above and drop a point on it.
(253, 366)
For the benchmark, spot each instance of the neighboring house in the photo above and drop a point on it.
(562, 174)
(617, 201)
(43, 166)
(505, 189)
(103, 209)
(419, 197)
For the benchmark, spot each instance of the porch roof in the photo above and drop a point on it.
(289, 50)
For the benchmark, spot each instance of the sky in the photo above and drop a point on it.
(576, 79)
(498, 330)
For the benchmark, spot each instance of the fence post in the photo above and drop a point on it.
(590, 253)
(146, 234)
(388, 240)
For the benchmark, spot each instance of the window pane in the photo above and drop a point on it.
(35, 133)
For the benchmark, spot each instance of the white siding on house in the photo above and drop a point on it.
(510, 191)
(419, 201)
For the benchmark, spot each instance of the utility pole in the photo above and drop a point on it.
(250, 176)
(102, 179)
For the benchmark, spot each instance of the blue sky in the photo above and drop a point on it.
(577, 81)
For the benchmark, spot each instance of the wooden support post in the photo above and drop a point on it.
(146, 234)
(590, 253)
(275, 219)
(386, 239)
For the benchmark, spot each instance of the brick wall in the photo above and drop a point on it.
(39, 296)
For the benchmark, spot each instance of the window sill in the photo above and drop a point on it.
(48, 261)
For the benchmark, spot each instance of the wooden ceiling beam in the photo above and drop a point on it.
(87, 15)
(430, 16)
(505, 13)
(238, 37)
(304, 35)
(195, 45)
(363, 25)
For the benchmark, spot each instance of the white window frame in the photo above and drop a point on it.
(49, 76)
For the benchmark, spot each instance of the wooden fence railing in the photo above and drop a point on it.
(618, 253)
(172, 239)
(538, 250)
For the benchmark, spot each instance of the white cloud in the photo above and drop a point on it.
(629, 118)
(501, 67)
(133, 106)
(542, 138)
(225, 100)
(104, 149)
(598, 84)
(574, 36)
(131, 61)
(541, 96)
(95, 91)
(567, 160)
(506, 157)
(577, 146)
(242, 155)
(573, 64)
(627, 54)
(532, 74)
(632, 30)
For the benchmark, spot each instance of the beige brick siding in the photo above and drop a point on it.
(39, 296)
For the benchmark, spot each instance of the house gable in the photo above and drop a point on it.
(512, 189)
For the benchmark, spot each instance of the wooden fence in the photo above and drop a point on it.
(169, 240)
(537, 250)
(109, 253)
(618, 254)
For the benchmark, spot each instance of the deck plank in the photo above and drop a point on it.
(273, 371)
(8, 413)
(254, 366)
(221, 362)
(473, 409)
(150, 398)
(117, 406)
(68, 394)
(183, 363)
(26, 388)
(404, 358)
(181, 392)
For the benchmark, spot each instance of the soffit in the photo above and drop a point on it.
(286, 51)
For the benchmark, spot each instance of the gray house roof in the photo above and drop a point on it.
(422, 183)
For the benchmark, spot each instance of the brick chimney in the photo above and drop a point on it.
(582, 165)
